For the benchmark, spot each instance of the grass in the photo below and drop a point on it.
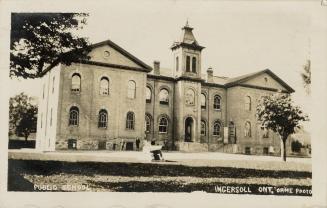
(148, 177)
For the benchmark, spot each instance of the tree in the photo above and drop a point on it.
(277, 113)
(22, 115)
(306, 76)
(39, 40)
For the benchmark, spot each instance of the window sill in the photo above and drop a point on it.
(162, 132)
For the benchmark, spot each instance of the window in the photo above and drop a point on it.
(216, 102)
(131, 89)
(103, 119)
(188, 63)
(130, 121)
(53, 84)
(248, 150)
(203, 128)
(163, 125)
(76, 83)
(148, 94)
(72, 144)
(216, 128)
(265, 132)
(104, 86)
(189, 97)
(248, 103)
(73, 116)
(147, 123)
(177, 63)
(247, 129)
(194, 64)
(164, 97)
(203, 101)
(265, 150)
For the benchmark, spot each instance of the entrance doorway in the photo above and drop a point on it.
(189, 129)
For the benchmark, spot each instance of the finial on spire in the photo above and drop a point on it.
(186, 23)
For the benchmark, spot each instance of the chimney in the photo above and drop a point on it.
(209, 75)
(156, 67)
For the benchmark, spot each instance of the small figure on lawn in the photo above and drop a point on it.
(152, 152)
(156, 151)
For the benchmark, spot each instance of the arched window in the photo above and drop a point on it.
(163, 125)
(148, 94)
(194, 64)
(203, 101)
(76, 83)
(188, 63)
(247, 103)
(177, 63)
(247, 129)
(147, 123)
(74, 116)
(217, 128)
(189, 97)
(104, 86)
(216, 102)
(164, 97)
(103, 119)
(130, 121)
(203, 128)
(131, 89)
(265, 132)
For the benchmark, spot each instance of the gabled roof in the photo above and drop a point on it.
(241, 79)
(122, 51)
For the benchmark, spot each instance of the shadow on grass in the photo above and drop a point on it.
(35, 167)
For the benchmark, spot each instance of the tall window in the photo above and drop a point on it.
(104, 86)
(130, 121)
(194, 64)
(189, 97)
(247, 103)
(216, 128)
(203, 101)
(203, 128)
(103, 119)
(147, 123)
(74, 116)
(188, 63)
(216, 102)
(148, 94)
(177, 63)
(76, 83)
(247, 129)
(131, 89)
(163, 125)
(164, 97)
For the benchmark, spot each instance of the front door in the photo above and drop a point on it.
(188, 129)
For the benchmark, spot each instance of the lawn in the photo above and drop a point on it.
(30, 175)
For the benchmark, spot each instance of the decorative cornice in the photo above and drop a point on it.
(117, 66)
(260, 88)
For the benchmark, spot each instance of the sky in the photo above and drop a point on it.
(238, 38)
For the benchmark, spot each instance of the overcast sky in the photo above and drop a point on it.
(239, 38)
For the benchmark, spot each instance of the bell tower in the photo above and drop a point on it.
(187, 55)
